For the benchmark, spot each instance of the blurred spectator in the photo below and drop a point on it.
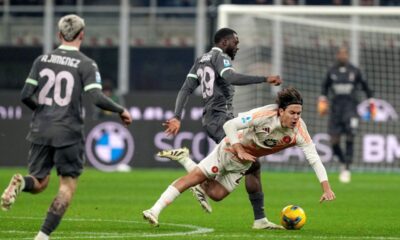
(367, 2)
(328, 2)
(176, 3)
(252, 2)
(289, 2)
(390, 2)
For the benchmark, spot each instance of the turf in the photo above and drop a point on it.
(109, 206)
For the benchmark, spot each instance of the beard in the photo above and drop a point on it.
(230, 53)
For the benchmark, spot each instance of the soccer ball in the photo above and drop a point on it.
(293, 217)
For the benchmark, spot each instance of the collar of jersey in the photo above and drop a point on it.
(68, 48)
(217, 48)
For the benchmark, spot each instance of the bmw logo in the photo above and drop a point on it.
(109, 145)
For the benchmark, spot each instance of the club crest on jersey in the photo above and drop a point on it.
(214, 169)
(352, 76)
(227, 63)
(109, 145)
(286, 139)
(270, 142)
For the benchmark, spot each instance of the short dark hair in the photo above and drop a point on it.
(223, 33)
(288, 96)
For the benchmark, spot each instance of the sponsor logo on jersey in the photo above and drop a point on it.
(109, 145)
(246, 119)
(227, 63)
(267, 129)
(383, 111)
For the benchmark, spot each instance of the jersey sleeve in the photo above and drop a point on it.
(364, 85)
(303, 140)
(222, 64)
(33, 76)
(90, 75)
(254, 117)
(190, 84)
(326, 84)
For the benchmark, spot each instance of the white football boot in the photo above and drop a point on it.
(175, 154)
(150, 217)
(345, 176)
(263, 223)
(41, 236)
(10, 194)
(201, 197)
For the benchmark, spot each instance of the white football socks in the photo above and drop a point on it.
(187, 163)
(166, 198)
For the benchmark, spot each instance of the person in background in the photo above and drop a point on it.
(342, 82)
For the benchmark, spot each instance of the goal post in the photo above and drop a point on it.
(299, 43)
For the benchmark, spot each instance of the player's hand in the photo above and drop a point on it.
(274, 80)
(323, 106)
(126, 117)
(242, 154)
(172, 126)
(328, 195)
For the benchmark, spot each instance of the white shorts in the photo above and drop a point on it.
(221, 166)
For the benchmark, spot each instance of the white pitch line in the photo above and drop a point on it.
(290, 236)
(113, 235)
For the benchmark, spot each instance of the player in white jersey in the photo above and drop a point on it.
(259, 132)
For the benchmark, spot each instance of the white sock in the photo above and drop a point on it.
(187, 163)
(166, 198)
(42, 236)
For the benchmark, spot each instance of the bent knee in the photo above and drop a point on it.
(254, 168)
(40, 185)
(216, 198)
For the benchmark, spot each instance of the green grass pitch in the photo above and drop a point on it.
(109, 206)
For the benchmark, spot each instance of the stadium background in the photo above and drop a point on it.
(145, 48)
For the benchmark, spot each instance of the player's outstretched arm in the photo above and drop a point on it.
(172, 126)
(328, 194)
(106, 103)
(274, 80)
(126, 117)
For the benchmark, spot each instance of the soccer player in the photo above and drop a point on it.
(342, 82)
(258, 132)
(216, 75)
(53, 90)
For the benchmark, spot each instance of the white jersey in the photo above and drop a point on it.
(261, 133)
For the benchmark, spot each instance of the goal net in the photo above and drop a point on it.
(300, 43)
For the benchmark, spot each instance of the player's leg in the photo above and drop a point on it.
(40, 164)
(256, 197)
(181, 155)
(351, 128)
(69, 164)
(58, 207)
(172, 192)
